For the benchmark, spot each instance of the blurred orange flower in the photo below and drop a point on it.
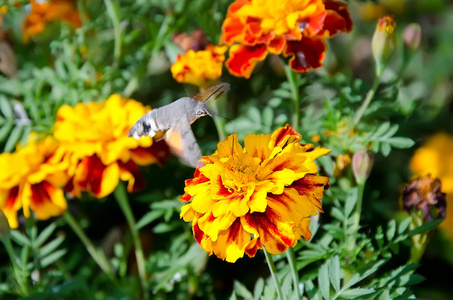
(44, 12)
(95, 137)
(435, 158)
(200, 68)
(32, 179)
(259, 195)
(295, 28)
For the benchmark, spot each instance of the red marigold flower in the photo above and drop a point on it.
(95, 137)
(295, 28)
(200, 68)
(261, 195)
(45, 12)
(32, 179)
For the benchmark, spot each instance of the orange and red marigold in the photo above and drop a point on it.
(254, 28)
(261, 195)
(43, 12)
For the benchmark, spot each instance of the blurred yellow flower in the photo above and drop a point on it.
(435, 158)
(95, 137)
(32, 179)
(44, 12)
(261, 195)
(200, 68)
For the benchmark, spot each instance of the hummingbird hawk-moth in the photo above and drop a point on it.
(175, 119)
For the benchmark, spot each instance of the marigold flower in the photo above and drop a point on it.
(33, 179)
(295, 28)
(95, 137)
(436, 158)
(259, 195)
(200, 68)
(44, 12)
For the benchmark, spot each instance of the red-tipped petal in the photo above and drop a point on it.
(243, 59)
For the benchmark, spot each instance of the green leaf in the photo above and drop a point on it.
(391, 131)
(268, 117)
(351, 200)
(382, 129)
(355, 293)
(391, 229)
(254, 114)
(6, 108)
(385, 149)
(335, 272)
(149, 218)
(360, 276)
(13, 139)
(19, 238)
(242, 291)
(6, 129)
(401, 142)
(403, 225)
(258, 289)
(323, 280)
(164, 227)
(51, 246)
(337, 214)
(44, 235)
(425, 227)
(50, 259)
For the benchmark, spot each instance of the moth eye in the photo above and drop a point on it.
(200, 112)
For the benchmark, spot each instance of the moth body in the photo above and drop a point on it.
(184, 110)
(175, 119)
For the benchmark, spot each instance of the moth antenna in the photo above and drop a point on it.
(213, 93)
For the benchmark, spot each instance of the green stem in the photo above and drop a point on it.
(99, 258)
(366, 103)
(121, 197)
(116, 31)
(293, 80)
(292, 263)
(270, 263)
(18, 272)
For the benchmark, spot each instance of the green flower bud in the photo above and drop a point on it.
(384, 42)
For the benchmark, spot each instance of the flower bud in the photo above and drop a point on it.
(362, 163)
(384, 42)
(412, 36)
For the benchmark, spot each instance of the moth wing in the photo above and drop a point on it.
(214, 92)
(183, 144)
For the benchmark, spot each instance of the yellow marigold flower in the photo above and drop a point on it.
(435, 158)
(101, 153)
(200, 68)
(44, 12)
(259, 195)
(32, 179)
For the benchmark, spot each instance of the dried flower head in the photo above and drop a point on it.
(424, 194)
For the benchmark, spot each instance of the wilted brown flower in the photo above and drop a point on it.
(424, 194)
